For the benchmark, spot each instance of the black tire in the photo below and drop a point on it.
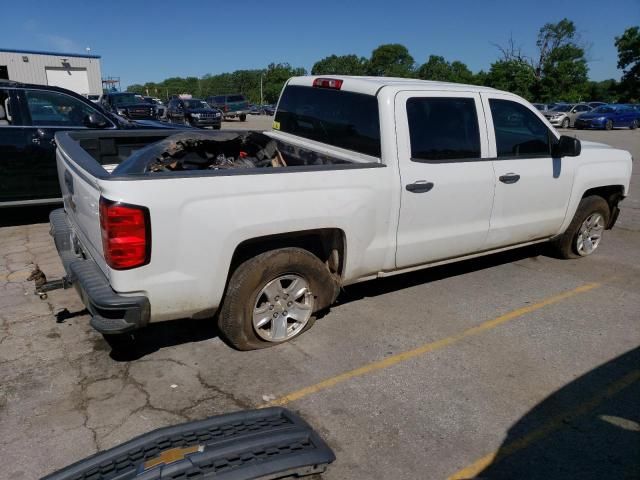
(633, 125)
(235, 317)
(120, 342)
(243, 118)
(565, 245)
(565, 123)
(217, 127)
(609, 125)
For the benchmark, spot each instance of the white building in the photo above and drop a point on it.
(74, 71)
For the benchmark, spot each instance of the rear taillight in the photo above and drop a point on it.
(226, 108)
(328, 83)
(126, 234)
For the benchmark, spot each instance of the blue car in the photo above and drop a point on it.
(608, 117)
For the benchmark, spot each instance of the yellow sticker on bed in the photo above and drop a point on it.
(276, 125)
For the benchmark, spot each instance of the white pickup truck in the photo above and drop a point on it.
(370, 177)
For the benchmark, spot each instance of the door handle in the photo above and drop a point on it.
(421, 186)
(509, 178)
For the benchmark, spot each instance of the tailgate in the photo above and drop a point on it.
(81, 195)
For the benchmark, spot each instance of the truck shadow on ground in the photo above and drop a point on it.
(127, 348)
(381, 286)
(589, 429)
(176, 332)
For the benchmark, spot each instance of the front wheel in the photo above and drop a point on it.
(565, 123)
(608, 125)
(272, 297)
(584, 234)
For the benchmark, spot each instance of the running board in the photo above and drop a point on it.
(264, 444)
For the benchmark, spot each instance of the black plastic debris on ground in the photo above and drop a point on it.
(204, 150)
(267, 444)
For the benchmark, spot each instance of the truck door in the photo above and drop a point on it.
(48, 112)
(447, 181)
(532, 187)
(15, 176)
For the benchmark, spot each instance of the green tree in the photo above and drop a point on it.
(391, 60)
(340, 65)
(561, 68)
(274, 78)
(628, 45)
(437, 68)
(512, 75)
(605, 91)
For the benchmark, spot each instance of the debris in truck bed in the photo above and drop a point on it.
(205, 150)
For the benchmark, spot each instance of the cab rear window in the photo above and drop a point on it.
(343, 119)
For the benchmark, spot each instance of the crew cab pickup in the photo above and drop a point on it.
(363, 178)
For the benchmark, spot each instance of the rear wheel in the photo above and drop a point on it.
(634, 125)
(243, 117)
(584, 234)
(272, 297)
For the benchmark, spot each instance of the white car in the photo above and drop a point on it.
(565, 114)
(382, 176)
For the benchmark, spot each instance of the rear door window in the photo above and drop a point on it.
(443, 129)
(343, 119)
(7, 115)
(519, 131)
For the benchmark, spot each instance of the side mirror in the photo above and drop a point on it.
(567, 147)
(94, 120)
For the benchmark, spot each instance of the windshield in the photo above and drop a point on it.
(125, 99)
(604, 109)
(562, 108)
(191, 104)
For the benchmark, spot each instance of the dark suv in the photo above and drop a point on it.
(194, 112)
(232, 106)
(129, 105)
(30, 115)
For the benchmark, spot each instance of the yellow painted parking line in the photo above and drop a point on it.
(555, 423)
(429, 347)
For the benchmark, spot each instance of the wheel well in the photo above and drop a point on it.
(328, 244)
(611, 193)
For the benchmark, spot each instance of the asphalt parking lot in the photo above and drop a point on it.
(515, 365)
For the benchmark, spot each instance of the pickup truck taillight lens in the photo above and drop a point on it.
(126, 234)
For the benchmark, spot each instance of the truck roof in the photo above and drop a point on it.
(371, 85)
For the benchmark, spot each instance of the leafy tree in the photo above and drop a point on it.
(628, 45)
(340, 65)
(391, 60)
(274, 78)
(512, 75)
(437, 68)
(561, 67)
(605, 91)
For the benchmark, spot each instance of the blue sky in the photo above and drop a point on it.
(149, 41)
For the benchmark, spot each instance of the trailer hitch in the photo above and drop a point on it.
(43, 285)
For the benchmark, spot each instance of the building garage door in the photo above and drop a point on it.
(74, 79)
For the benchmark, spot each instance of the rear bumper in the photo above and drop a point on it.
(111, 313)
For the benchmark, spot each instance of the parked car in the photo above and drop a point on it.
(543, 107)
(30, 116)
(161, 109)
(129, 105)
(269, 110)
(362, 165)
(596, 104)
(564, 115)
(194, 112)
(610, 116)
(231, 106)
(255, 110)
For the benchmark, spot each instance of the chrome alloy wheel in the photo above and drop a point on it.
(283, 308)
(590, 234)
